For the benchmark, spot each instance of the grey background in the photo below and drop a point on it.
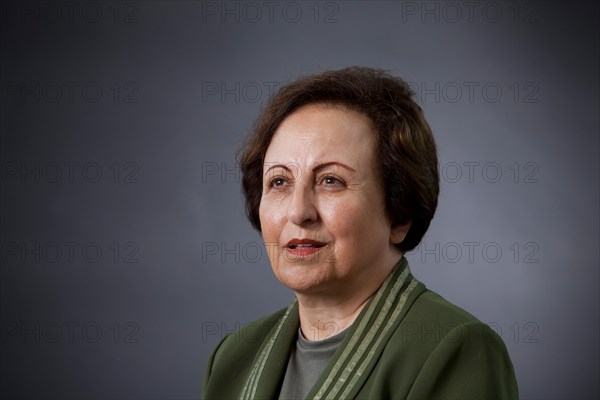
(180, 84)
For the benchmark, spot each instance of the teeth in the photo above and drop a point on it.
(304, 245)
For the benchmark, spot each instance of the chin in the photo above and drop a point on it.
(302, 278)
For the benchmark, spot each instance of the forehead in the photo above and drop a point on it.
(318, 131)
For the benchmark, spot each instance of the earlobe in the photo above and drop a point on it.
(398, 232)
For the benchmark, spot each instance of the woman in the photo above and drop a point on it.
(340, 175)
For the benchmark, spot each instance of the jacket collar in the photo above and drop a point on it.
(355, 357)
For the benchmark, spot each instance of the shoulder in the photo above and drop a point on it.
(232, 358)
(433, 321)
(451, 353)
(248, 338)
(430, 306)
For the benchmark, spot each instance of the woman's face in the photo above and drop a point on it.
(321, 187)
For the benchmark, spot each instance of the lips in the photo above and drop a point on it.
(303, 247)
(307, 243)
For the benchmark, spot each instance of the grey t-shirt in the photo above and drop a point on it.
(307, 362)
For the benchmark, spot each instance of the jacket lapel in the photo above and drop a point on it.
(268, 370)
(357, 355)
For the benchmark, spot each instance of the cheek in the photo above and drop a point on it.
(265, 224)
(270, 218)
(354, 223)
(343, 219)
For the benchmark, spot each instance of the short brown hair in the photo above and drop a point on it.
(406, 150)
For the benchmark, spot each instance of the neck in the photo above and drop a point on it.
(326, 314)
(318, 321)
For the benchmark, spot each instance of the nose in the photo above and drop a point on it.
(302, 209)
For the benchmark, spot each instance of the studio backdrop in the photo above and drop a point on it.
(125, 251)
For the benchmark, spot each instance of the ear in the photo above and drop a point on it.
(399, 231)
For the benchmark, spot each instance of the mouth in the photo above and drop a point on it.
(303, 247)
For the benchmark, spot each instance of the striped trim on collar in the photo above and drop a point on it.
(249, 389)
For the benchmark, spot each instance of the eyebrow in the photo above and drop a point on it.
(317, 168)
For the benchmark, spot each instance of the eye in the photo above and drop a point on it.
(332, 181)
(277, 182)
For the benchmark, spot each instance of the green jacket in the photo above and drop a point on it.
(407, 343)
